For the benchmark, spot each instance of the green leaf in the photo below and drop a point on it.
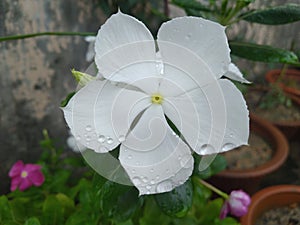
(52, 211)
(191, 4)
(5, 211)
(276, 15)
(176, 202)
(217, 165)
(119, 202)
(67, 99)
(32, 221)
(67, 204)
(262, 53)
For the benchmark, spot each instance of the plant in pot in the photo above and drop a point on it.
(278, 204)
(247, 165)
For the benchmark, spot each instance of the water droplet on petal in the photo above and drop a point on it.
(164, 186)
(136, 181)
(148, 187)
(129, 157)
(101, 138)
(151, 170)
(121, 138)
(167, 170)
(88, 128)
(227, 147)
(109, 140)
(207, 149)
(152, 182)
(145, 179)
(133, 170)
(188, 36)
(231, 135)
(186, 161)
(148, 192)
(157, 177)
(78, 138)
(88, 138)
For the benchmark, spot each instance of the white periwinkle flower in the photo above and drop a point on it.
(143, 86)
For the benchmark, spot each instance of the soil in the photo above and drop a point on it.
(249, 156)
(287, 215)
(279, 112)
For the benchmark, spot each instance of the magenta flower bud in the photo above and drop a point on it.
(237, 204)
(24, 176)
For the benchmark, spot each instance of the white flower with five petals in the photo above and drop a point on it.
(144, 84)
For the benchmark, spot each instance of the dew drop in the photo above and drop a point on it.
(145, 179)
(148, 193)
(88, 128)
(78, 138)
(109, 140)
(151, 170)
(227, 147)
(164, 186)
(148, 187)
(121, 138)
(167, 170)
(206, 149)
(88, 138)
(186, 161)
(101, 138)
(231, 135)
(188, 36)
(152, 182)
(133, 171)
(129, 157)
(157, 177)
(136, 181)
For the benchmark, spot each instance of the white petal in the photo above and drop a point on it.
(213, 119)
(154, 157)
(100, 114)
(235, 74)
(124, 42)
(206, 38)
(237, 117)
(200, 116)
(184, 68)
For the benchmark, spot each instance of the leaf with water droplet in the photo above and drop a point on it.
(119, 202)
(177, 202)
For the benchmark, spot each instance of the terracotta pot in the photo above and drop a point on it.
(269, 198)
(249, 179)
(290, 74)
(291, 128)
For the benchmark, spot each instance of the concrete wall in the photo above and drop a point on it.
(35, 73)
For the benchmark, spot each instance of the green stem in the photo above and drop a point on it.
(24, 36)
(214, 189)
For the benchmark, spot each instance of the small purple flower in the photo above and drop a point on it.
(237, 204)
(24, 176)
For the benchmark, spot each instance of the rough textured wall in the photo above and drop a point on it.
(35, 73)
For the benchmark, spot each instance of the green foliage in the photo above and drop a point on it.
(262, 53)
(217, 165)
(177, 202)
(73, 194)
(275, 16)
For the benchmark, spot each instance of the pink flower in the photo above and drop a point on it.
(24, 176)
(237, 204)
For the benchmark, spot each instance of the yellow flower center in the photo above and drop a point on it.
(24, 174)
(157, 98)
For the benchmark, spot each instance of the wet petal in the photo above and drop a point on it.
(100, 114)
(154, 157)
(16, 169)
(205, 38)
(200, 117)
(184, 68)
(235, 74)
(125, 49)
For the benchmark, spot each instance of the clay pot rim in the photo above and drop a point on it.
(272, 76)
(281, 153)
(261, 196)
(295, 99)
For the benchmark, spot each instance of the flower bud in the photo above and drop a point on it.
(237, 204)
